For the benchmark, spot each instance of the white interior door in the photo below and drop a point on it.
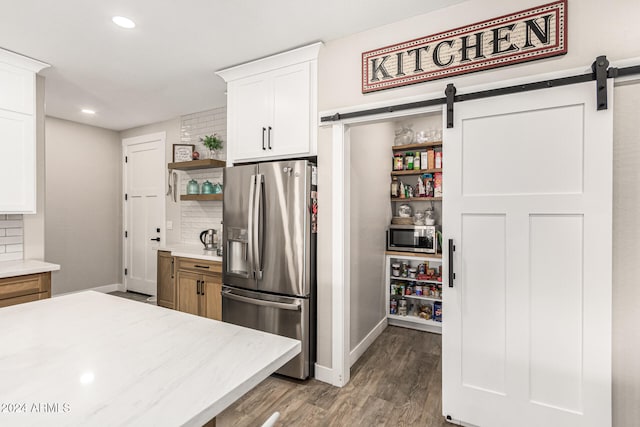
(528, 199)
(144, 210)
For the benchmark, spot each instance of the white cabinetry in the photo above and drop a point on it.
(272, 106)
(17, 133)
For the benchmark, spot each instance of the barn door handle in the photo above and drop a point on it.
(157, 239)
(452, 275)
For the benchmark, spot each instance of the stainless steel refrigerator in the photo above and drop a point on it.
(269, 277)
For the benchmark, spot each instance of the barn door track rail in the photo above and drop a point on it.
(600, 73)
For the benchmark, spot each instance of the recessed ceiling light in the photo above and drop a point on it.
(87, 111)
(123, 22)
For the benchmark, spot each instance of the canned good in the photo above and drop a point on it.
(393, 307)
(418, 290)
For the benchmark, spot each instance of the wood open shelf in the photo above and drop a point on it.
(416, 146)
(416, 199)
(202, 197)
(413, 254)
(415, 171)
(198, 164)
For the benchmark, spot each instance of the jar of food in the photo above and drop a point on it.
(418, 289)
(408, 160)
(404, 269)
(416, 162)
(395, 189)
(398, 162)
(402, 307)
(412, 273)
(408, 291)
(395, 269)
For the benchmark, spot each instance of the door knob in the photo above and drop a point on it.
(157, 239)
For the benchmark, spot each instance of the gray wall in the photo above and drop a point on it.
(370, 168)
(83, 222)
(626, 253)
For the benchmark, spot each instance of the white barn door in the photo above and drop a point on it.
(527, 202)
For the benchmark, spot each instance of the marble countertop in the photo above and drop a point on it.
(25, 266)
(92, 359)
(190, 251)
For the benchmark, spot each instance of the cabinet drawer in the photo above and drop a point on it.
(24, 285)
(199, 265)
(25, 298)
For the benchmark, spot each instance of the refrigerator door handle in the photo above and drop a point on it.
(250, 236)
(280, 305)
(258, 243)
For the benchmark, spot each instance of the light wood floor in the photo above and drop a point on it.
(397, 382)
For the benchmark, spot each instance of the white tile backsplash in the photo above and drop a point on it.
(199, 216)
(11, 237)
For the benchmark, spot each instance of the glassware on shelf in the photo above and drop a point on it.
(404, 210)
(429, 215)
(404, 135)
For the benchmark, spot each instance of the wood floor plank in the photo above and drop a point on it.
(397, 382)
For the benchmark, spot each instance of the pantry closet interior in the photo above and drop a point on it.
(409, 296)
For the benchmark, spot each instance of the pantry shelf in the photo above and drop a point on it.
(202, 197)
(198, 164)
(415, 171)
(420, 297)
(398, 254)
(406, 279)
(415, 319)
(416, 146)
(416, 199)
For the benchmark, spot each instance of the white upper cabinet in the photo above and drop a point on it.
(17, 132)
(272, 106)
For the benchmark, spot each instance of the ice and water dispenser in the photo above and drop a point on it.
(237, 251)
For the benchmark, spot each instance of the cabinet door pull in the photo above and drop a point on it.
(263, 131)
(452, 275)
(198, 287)
(269, 138)
(201, 266)
(173, 268)
(202, 287)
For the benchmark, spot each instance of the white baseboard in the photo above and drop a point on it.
(326, 375)
(103, 289)
(109, 288)
(363, 345)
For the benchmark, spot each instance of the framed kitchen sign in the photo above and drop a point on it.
(183, 152)
(536, 33)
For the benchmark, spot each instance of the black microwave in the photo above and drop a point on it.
(413, 238)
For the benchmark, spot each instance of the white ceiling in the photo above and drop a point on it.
(165, 67)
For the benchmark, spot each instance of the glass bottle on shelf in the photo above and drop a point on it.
(394, 187)
(408, 160)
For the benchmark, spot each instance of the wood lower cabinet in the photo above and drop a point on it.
(198, 287)
(188, 292)
(27, 288)
(166, 280)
